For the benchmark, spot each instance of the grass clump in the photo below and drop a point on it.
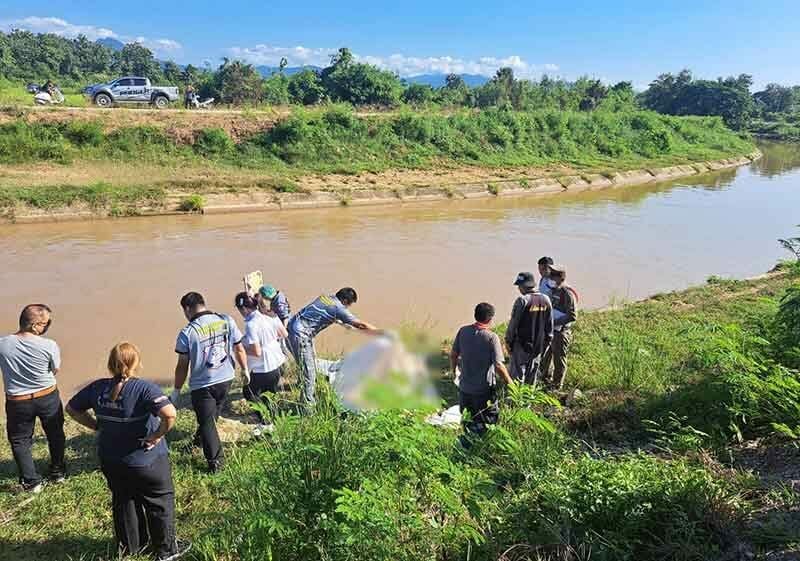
(213, 143)
(192, 203)
(98, 196)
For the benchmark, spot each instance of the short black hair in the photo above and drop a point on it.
(192, 300)
(546, 261)
(244, 300)
(484, 312)
(347, 296)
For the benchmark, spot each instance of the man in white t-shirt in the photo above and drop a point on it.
(263, 334)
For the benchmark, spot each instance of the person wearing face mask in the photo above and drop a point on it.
(29, 363)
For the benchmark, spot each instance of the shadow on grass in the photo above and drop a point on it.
(81, 454)
(66, 548)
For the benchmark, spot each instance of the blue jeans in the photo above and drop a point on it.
(302, 347)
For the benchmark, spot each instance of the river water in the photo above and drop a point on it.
(425, 263)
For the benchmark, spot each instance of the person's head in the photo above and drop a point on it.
(347, 296)
(124, 362)
(245, 303)
(525, 282)
(544, 266)
(192, 303)
(35, 318)
(484, 313)
(558, 273)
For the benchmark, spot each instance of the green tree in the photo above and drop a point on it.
(237, 82)
(306, 88)
(418, 94)
(172, 72)
(136, 60)
(775, 99)
(275, 90)
(360, 84)
(455, 91)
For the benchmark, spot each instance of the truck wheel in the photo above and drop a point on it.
(102, 100)
(161, 102)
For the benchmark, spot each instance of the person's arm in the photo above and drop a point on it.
(501, 368)
(283, 333)
(241, 355)
(569, 314)
(511, 330)
(181, 371)
(367, 328)
(82, 417)
(455, 354)
(78, 408)
(548, 323)
(168, 414)
(55, 359)
(499, 359)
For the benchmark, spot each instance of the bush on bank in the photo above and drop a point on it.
(336, 139)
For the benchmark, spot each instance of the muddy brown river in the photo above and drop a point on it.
(425, 263)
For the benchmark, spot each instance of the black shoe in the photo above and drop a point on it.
(181, 548)
(33, 488)
(215, 466)
(57, 474)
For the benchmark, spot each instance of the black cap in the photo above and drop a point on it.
(545, 261)
(525, 279)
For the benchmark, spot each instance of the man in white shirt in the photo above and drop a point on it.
(263, 334)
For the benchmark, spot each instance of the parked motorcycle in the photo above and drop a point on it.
(46, 96)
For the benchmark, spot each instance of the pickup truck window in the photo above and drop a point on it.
(125, 82)
(139, 82)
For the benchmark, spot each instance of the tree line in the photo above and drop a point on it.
(28, 56)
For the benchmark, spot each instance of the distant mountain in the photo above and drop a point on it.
(267, 71)
(438, 80)
(111, 43)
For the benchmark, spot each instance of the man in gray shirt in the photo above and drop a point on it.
(479, 354)
(29, 363)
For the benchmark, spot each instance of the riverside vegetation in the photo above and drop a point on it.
(646, 464)
(44, 156)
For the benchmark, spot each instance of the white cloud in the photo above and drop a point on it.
(64, 28)
(404, 65)
(57, 26)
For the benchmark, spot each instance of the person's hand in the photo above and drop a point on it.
(246, 377)
(175, 396)
(150, 443)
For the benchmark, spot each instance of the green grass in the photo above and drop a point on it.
(335, 140)
(15, 94)
(784, 127)
(387, 486)
(119, 201)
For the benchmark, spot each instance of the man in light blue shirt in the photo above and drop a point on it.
(207, 348)
(546, 284)
(309, 322)
(29, 363)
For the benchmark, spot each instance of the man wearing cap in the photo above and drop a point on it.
(29, 363)
(530, 329)
(271, 299)
(564, 316)
(309, 322)
(545, 283)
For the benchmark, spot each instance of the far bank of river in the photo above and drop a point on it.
(427, 263)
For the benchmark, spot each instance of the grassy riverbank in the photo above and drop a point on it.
(58, 164)
(679, 447)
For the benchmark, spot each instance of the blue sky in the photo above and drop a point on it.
(611, 40)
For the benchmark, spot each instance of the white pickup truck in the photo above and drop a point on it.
(131, 89)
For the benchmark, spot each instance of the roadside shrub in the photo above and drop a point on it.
(213, 142)
(84, 133)
(786, 328)
(138, 142)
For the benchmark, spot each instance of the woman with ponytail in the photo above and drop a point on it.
(131, 417)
